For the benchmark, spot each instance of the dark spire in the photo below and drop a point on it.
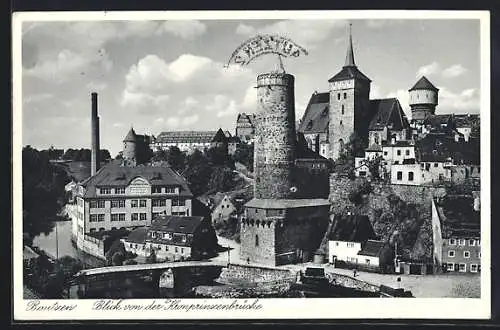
(131, 136)
(349, 58)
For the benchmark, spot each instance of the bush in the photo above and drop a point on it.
(130, 262)
(117, 259)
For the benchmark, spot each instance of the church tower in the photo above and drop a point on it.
(349, 103)
(423, 100)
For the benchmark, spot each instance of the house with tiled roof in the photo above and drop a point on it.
(174, 238)
(347, 236)
(187, 141)
(376, 256)
(245, 127)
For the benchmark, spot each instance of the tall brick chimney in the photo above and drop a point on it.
(95, 159)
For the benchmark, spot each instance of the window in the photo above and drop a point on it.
(478, 242)
(336, 243)
(367, 261)
(473, 268)
(338, 96)
(341, 123)
(105, 191)
(461, 242)
(159, 202)
(93, 204)
(101, 204)
(385, 153)
(450, 266)
(142, 216)
(462, 267)
(350, 244)
(155, 215)
(407, 152)
(167, 235)
(345, 96)
(156, 190)
(118, 204)
(142, 203)
(100, 217)
(176, 249)
(472, 242)
(451, 253)
(398, 152)
(182, 250)
(166, 247)
(114, 217)
(399, 175)
(153, 234)
(436, 164)
(362, 173)
(93, 218)
(170, 190)
(120, 191)
(452, 241)
(121, 217)
(410, 176)
(135, 216)
(178, 202)
(257, 236)
(466, 254)
(342, 109)
(134, 203)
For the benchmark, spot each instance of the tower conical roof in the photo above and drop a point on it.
(424, 83)
(349, 58)
(131, 136)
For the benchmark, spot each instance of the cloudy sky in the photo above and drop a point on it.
(170, 75)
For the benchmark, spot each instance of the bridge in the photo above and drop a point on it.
(148, 267)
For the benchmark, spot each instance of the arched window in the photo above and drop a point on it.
(342, 109)
(338, 96)
(256, 240)
(345, 96)
(341, 123)
(341, 144)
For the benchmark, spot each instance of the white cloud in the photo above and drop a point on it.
(118, 125)
(467, 100)
(183, 29)
(454, 71)
(144, 102)
(428, 69)
(304, 32)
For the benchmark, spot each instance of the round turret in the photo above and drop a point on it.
(130, 145)
(423, 99)
(274, 154)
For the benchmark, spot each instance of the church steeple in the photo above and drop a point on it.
(349, 58)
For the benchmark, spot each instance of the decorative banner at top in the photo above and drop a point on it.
(265, 44)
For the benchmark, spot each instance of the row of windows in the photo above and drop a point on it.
(338, 96)
(138, 216)
(158, 190)
(168, 236)
(462, 267)
(118, 217)
(109, 191)
(451, 254)
(158, 247)
(96, 218)
(461, 241)
(349, 244)
(137, 203)
(399, 175)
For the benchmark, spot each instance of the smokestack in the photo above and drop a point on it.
(95, 159)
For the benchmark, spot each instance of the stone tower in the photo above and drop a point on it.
(275, 139)
(95, 161)
(349, 103)
(423, 100)
(130, 146)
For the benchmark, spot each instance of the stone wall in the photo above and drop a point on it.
(274, 153)
(257, 241)
(351, 282)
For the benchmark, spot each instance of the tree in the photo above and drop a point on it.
(244, 155)
(345, 162)
(375, 167)
(117, 259)
(221, 179)
(104, 154)
(43, 192)
(176, 158)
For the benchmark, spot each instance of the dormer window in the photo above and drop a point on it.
(325, 112)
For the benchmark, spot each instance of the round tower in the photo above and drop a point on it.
(130, 145)
(423, 99)
(274, 153)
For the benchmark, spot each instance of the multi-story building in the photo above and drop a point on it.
(129, 197)
(457, 233)
(245, 127)
(187, 141)
(174, 238)
(314, 123)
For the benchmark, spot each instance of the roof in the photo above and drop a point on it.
(286, 203)
(28, 253)
(138, 235)
(315, 118)
(349, 72)
(302, 151)
(186, 137)
(458, 217)
(351, 228)
(372, 248)
(386, 112)
(234, 139)
(176, 224)
(243, 118)
(131, 136)
(399, 143)
(424, 83)
(220, 136)
(440, 147)
(115, 175)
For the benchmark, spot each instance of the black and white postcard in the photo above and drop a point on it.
(251, 165)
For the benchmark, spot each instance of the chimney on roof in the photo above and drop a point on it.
(95, 161)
